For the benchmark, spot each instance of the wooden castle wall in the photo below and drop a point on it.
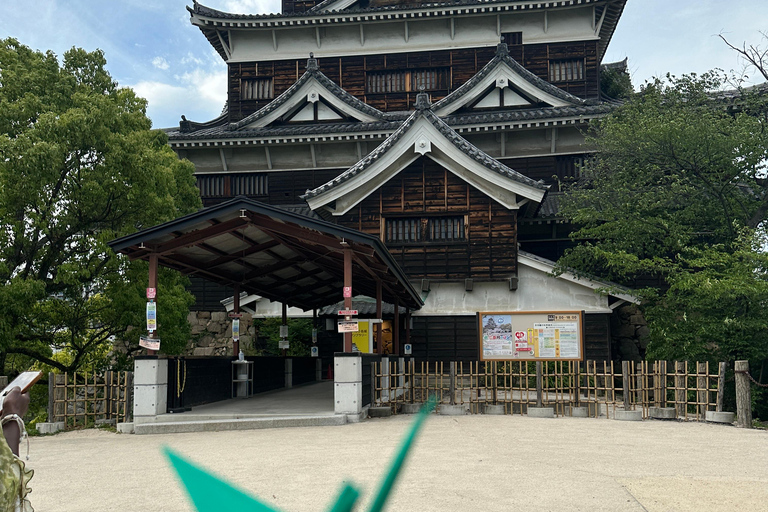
(461, 65)
(425, 190)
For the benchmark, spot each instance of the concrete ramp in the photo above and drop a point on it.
(248, 423)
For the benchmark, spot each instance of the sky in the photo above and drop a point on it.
(151, 46)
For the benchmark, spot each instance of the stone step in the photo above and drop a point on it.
(175, 427)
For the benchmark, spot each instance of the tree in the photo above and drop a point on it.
(677, 192)
(79, 166)
(754, 57)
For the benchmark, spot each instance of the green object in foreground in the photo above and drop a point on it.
(210, 494)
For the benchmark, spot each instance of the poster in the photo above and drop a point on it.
(149, 343)
(362, 338)
(549, 336)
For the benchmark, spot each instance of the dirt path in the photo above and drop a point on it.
(468, 463)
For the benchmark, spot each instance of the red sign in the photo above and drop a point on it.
(235, 315)
(348, 312)
(347, 292)
(151, 293)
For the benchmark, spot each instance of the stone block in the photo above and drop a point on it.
(643, 332)
(451, 410)
(203, 314)
(192, 318)
(410, 408)
(246, 341)
(125, 428)
(579, 412)
(150, 371)
(218, 316)
(637, 319)
(348, 397)
(50, 428)
(662, 413)
(628, 415)
(379, 412)
(493, 409)
(215, 327)
(348, 369)
(197, 329)
(720, 417)
(203, 351)
(541, 412)
(625, 331)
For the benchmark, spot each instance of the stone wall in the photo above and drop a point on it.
(212, 333)
(629, 334)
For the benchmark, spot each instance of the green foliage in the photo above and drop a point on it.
(79, 166)
(616, 83)
(268, 336)
(677, 192)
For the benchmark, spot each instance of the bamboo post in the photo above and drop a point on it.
(495, 383)
(743, 395)
(413, 379)
(539, 384)
(702, 389)
(721, 386)
(625, 384)
(680, 398)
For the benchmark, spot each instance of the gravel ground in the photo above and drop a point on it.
(485, 463)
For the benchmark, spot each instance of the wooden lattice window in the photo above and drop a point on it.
(430, 229)
(512, 38)
(445, 228)
(257, 89)
(247, 184)
(428, 79)
(566, 70)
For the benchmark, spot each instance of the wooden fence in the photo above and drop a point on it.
(82, 399)
(599, 387)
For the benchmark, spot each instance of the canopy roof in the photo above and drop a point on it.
(281, 255)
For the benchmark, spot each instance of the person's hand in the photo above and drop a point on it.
(16, 402)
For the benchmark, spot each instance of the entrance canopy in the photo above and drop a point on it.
(278, 254)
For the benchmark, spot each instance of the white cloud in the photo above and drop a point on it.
(198, 94)
(160, 63)
(190, 58)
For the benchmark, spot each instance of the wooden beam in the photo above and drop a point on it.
(347, 284)
(236, 309)
(197, 237)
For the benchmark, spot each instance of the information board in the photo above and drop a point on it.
(531, 336)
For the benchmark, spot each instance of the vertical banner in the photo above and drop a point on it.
(151, 316)
(236, 329)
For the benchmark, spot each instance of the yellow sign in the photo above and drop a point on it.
(361, 338)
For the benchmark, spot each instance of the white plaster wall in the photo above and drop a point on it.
(423, 34)
(537, 291)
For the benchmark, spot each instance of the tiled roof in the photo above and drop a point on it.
(533, 114)
(424, 110)
(502, 56)
(364, 307)
(313, 72)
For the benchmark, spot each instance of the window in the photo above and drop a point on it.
(411, 80)
(566, 70)
(512, 38)
(256, 89)
(430, 229)
(230, 185)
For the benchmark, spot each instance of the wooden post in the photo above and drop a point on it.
(702, 393)
(236, 309)
(539, 384)
(396, 330)
(625, 384)
(452, 382)
(285, 322)
(153, 284)
(680, 390)
(347, 284)
(51, 396)
(721, 387)
(379, 314)
(743, 395)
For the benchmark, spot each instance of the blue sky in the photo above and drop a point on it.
(151, 46)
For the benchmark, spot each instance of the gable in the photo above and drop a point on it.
(424, 134)
(504, 84)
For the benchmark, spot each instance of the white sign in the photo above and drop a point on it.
(408, 349)
(283, 331)
(283, 344)
(149, 343)
(315, 352)
(151, 316)
(348, 326)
